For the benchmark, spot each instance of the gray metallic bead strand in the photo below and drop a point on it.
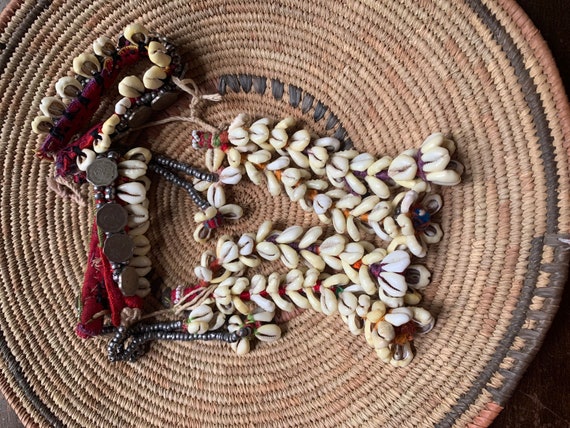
(175, 179)
(185, 168)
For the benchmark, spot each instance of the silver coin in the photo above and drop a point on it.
(119, 248)
(112, 218)
(102, 172)
(164, 100)
(128, 281)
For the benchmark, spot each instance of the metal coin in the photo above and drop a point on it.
(129, 281)
(164, 100)
(139, 116)
(119, 248)
(102, 172)
(112, 218)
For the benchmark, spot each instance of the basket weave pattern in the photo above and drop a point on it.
(389, 74)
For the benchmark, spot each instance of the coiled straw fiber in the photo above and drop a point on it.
(391, 73)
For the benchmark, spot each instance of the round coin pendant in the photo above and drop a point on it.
(129, 281)
(102, 172)
(112, 218)
(119, 248)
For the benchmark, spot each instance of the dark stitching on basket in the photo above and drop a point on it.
(16, 371)
(521, 312)
(297, 98)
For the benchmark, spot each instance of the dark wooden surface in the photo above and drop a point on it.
(542, 399)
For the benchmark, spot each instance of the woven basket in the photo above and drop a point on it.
(384, 74)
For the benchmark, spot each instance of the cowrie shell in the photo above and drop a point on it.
(335, 280)
(132, 169)
(141, 229)
(300, 140)
(378, 187)
(331, 144)
(268, 251)
(135, 33)
(396, 261)
(311, 236)
(435, 159)
(362, 162)
(289, 257)
(238, 136)
(154, 77)
(444, 178)
(268, 332)
(352, 253)
(230, 175)
(258, 284)
(332, 261)
(278, 138)
(393, 284)
(363, 305)
(281, 303)
(259, 131)
(322, 203)
(311, 277)
(122, 106)
(318, 157)
(52, 107)
(399, 316)
(347, 303)
(157, 53)
(291, 176)
(103, 46)
(314, 261)
(317, 184)
(348, 202)
(438, 140)
(350, 272)
(202, 313)
(259, 157)
(352, 229)
(313, 300)
(380, 212)
(139, 154)
(264, 230)
(355, 184)
(217, 321)
(337, 167)
(412, 297)
(132, 192)
(294, 279)
(298, 192)
(239, 286)
(403, 167)
(228, 252)
(298, 158)
(338, 220)
(417, 277)
(85, 159)
(299, 300)
(68, 87)
(110, 124)
(333, 245)
(216, 196)
(281, 162)
(142, 265)
(329, 303)
(291, 234)
(285, 123)
(86, 65)
(273, 184)
(365, 281)
(365, 206)
(142, 245)
(137, 214)
(246, 244)
(131, 87)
